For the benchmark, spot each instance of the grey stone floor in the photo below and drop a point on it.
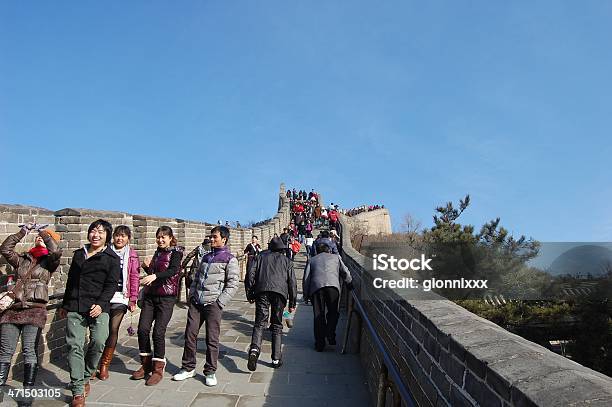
(307, 378)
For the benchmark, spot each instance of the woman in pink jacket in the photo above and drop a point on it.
(126, 295)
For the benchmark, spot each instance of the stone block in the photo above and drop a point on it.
(457, 350)
(475, 365)
(499, 384)
(452, 367)
(418, 331)
(432, 346)
(480, 392)
(61, 228)
(425, 361)
(459, 398)
(441, 381)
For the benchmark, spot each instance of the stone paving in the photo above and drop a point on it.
(307, 378)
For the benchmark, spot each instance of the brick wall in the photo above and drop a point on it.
(448, 356)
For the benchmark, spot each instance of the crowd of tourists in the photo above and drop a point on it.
(104, 282)
(361, 209)
(308, 212)
(107, 278)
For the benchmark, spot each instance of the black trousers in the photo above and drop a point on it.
(269, 305)
(325, 307)
(158, 309)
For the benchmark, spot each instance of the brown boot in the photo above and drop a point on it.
(105, 361)
(158, 372)
(145, 369)
(78, 400)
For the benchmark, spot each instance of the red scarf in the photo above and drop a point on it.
(38, 251)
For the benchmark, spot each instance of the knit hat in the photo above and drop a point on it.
(54, 235)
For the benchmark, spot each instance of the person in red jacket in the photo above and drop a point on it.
(333, 219)
(126, 295)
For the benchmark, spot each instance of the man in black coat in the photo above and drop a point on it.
(94, 273)
(271, 284)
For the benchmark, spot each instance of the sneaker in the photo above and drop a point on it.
(183, 374)
(276, 363)
(211, 380)
(253, 356)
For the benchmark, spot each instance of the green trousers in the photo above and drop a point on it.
(84, 364)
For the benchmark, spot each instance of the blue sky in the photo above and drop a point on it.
(199, 109)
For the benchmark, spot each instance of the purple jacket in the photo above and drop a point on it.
(217, 278)
(133, 276)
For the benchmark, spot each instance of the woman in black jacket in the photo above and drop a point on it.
(92, 280)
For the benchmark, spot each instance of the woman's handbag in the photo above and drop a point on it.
(7, 299)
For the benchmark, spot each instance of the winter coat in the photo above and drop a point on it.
(252, 250)
(272, 271)
(35, 289)
(31, 297)
(133, 285)
(301, 229)
(165, 264)
(324, 270)
(326, 241)
(217, 278)
(91, 280)
(333, 216)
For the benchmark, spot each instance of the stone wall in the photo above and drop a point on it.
(448, 356)
(371, 223)
(72, 224)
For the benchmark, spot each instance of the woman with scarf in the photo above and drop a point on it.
(126, 295)
(160, 291)
(28, 314)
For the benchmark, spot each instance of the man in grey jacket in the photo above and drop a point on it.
(322, 285)
(271, 284)
(214, 285)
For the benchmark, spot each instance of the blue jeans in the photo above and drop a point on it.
(9, 338)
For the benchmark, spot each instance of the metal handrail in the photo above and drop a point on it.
(395, 375)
